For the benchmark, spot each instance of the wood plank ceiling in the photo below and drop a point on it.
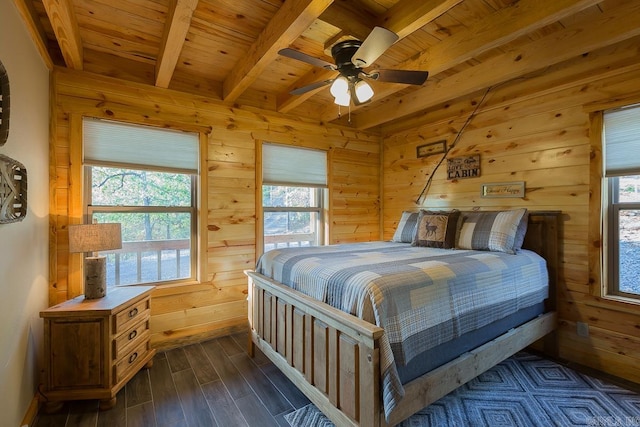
(228, 49)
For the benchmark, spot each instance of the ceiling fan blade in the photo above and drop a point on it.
(294, 54)
(376, 43)
(310, 87)
(409, 77)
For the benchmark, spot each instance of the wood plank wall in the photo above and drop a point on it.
(535, 130)
(217, 305)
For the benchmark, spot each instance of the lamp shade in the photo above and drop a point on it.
(343, 100)
(94, 237)
(364, 92)
(339, 87)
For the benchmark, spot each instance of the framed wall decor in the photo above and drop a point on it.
(463, 167)
(503, 189)
(432, 148)
(13, 190)
(4, 105)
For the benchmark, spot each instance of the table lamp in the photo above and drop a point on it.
(94, 238)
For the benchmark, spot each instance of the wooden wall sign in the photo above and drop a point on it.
(463, 167)
(425, 150)
(4, 105)
(503, 189)
(13, 190)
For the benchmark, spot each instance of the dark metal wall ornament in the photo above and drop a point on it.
(13, 190)
(4, 105)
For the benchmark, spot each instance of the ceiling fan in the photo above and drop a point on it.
(351, 57)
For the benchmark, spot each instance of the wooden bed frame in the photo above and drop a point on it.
(334, 357)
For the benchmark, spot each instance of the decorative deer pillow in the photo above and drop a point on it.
(436, 229)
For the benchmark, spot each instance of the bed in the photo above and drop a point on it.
(395, 355)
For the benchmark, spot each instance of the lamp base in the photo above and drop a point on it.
(95, 277)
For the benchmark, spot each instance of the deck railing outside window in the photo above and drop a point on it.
(276, 241)
(148, 261)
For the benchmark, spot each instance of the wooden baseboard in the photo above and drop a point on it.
(179, 341)
(32, 412)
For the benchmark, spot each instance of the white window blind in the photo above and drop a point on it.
(622, 141)
(284, 165)
(108, 143)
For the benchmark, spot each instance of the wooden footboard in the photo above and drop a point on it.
(334, 358)
(329, 355)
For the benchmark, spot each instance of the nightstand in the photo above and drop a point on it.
(93, 347)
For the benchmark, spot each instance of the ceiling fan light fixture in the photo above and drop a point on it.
(343, 99)
(350, 58)
(339, 87)
(364, 92)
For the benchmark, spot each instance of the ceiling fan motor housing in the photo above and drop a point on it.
(342, 53)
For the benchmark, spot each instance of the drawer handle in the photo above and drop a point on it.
(133, 334)
(133, 312)
(133, 357)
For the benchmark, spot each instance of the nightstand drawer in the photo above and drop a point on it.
(131, 338)
(131, 361)
(131, 315)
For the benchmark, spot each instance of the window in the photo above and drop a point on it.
(622, 175)
(293, 192)
(146, 179)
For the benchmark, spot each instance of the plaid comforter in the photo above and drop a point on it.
(421, 297)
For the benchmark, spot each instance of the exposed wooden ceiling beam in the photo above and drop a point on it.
(503, 26)
(408, 16)
(613, 26)
(65, 26)
(404, 18)
(291, 20)
(173, 37)
(30, 18)
(351, 19)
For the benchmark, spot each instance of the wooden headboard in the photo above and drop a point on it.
(543, 238)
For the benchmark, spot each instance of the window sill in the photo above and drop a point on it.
(163, 285)
(616, 303)
(619, 298)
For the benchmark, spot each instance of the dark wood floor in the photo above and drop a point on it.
(213, 383)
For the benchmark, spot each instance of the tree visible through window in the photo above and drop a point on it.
(155, 211)
(291, 216)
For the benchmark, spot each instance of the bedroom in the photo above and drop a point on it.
(558, 69)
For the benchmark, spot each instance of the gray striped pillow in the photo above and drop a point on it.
(406, 227)
(490, 231)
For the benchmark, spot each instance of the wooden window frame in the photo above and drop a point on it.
(601, 218)
(77, 212)
(323, 200)
(319, 209)
(613, 207)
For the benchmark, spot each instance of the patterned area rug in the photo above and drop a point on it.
(524, 390)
